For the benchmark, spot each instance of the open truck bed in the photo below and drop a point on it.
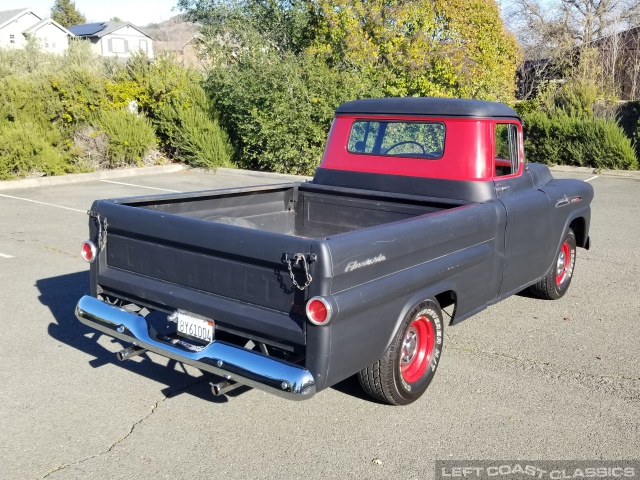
(175, 251)
(300, 209)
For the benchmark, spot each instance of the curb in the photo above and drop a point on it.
(89, 177)
(141, 171)
(595, 171)
(133, 172)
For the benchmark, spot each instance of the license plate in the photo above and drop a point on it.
(192, 326)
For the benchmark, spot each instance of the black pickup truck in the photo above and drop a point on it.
(419, 204)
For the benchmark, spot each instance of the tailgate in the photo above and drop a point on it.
(236, 275)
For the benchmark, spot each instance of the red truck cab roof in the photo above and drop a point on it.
(441, 138)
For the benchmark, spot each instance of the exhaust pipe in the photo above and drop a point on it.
(130, 352)
(224, 387)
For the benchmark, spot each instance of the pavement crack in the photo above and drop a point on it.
(154, 407)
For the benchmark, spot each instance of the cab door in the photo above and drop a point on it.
(527, 209)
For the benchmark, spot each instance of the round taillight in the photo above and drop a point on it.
(318, 311)
(88, 251)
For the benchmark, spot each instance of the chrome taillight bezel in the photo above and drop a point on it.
(327, 306)
(92, 250)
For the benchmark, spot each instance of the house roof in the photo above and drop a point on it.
(44, 22)
(98, 30)
(7, 16)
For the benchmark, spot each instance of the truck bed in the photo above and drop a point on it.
(190, 250)
(301, 210)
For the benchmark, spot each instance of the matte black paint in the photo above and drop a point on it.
(427, 187)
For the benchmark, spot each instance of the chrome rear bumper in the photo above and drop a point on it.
(244, 366)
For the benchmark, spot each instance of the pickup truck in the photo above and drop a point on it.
(422, 213)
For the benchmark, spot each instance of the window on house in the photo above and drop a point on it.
(12, 39)
(143, 46)
(46, 42)
(506, 149)
(117, 45)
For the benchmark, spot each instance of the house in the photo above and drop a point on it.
(192, 53)
(617, 57)
(188, 54)
(179, 36)
(17, 25)
(114, 39)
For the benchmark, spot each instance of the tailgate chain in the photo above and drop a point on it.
(299, 257)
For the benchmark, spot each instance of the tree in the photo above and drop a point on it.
(278, 108)
(116, 19)
(279, 68)
(577, 40)
(65, 13)
(285, 25)
(276, 99)
(424, 47)
(568, 23)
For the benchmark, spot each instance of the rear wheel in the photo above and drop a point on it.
(405, 371)
(557, 282)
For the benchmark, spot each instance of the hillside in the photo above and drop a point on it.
(175, 35)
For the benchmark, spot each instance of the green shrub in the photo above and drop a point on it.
(526, 107)
(193, 137)
(159, 82)
(576, 98)
(278, 108)
(580, 141)
(29, 99)
(28, 148)
(172, 98)
(76, 103)
(33, 60)
(80, 93)
(130, 136)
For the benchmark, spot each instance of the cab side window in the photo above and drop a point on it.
(506, 149)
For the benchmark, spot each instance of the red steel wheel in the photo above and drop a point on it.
(564, 263)
(556, 283)
(407, 367)
(417, 349)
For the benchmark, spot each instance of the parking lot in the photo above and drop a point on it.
(524, 379)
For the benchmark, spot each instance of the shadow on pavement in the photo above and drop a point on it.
(351, 386)
(60, 294)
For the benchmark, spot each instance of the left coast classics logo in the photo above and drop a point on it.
(365, 263)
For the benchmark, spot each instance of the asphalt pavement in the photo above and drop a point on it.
(524, 379)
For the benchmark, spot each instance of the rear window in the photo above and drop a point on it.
(397, 139)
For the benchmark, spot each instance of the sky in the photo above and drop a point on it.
(138, 12)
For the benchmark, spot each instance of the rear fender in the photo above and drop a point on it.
(415, 299)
